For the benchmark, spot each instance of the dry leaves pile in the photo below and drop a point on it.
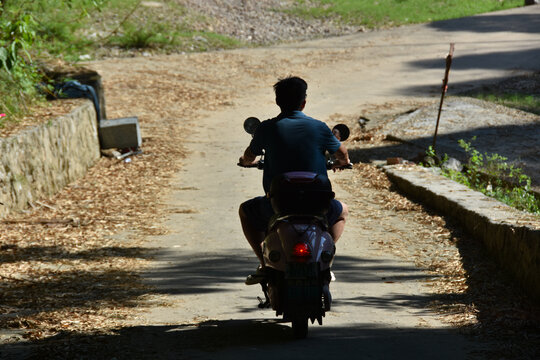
(469, 290)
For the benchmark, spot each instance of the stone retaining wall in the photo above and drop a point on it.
(40, 161)
(510, 236)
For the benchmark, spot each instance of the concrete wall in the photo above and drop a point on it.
(40, 161)
(510, 236)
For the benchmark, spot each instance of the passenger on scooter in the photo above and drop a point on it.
(291, 141)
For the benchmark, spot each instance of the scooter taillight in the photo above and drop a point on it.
(301, 251)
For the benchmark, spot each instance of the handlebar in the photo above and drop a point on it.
(329, 164)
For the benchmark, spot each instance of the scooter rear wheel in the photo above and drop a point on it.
(300, 327)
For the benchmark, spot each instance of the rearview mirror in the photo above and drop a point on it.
(341, 131)
(251, 124)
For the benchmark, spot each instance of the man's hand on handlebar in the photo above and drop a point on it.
(243, 162)
(248, 159)
(337, 165)
(342, 160)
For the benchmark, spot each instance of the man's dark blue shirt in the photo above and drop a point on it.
(293, 142)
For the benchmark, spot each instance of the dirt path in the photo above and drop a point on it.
(198, 103)
(380, 305)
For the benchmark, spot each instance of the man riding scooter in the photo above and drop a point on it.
(291, 141)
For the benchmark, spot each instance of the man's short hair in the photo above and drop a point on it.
(290, 93)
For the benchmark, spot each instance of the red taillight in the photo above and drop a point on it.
(301, 250)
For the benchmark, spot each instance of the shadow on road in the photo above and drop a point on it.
(197, 273)
(486, 85)
(239, 339)
(55, 253)
(518, 23)
(485, 61)
(205, 273)
(243, 339)
(525, 59)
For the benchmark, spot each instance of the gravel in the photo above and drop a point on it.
(264, 21)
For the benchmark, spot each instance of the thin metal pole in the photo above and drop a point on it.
(444, 89)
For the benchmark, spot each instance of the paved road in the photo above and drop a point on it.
(201, 263)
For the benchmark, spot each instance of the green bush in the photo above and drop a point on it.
(492, 175)
(23, 34)
(133, 36)
(17, 73)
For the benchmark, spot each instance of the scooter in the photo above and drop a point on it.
(298, 249)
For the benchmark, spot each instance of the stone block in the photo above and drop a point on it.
(120, 133)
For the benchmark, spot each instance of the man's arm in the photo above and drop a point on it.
(248, 158)
(342, 157)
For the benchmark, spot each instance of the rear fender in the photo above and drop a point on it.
(318, 239)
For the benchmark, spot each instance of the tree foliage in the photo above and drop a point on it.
(21, 32)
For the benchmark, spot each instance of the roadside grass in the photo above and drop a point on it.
(386, 13)
(525, 102)
(69, 29)
(169, 38)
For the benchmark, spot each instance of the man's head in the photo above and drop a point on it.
(290, 93)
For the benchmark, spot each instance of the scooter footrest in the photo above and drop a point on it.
(263, 304)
